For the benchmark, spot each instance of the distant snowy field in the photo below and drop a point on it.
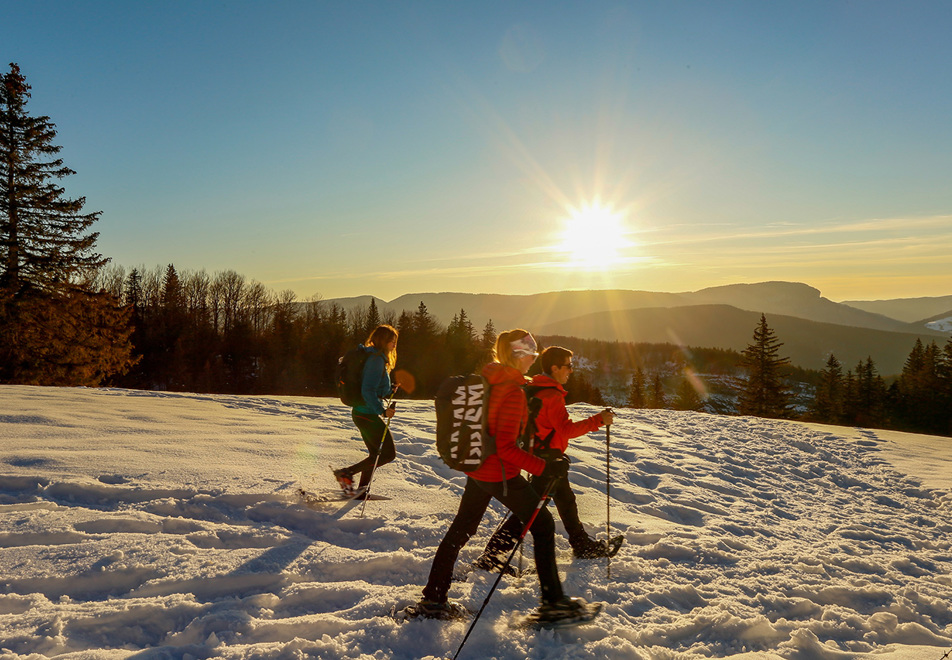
(154, 525)
(942, 325)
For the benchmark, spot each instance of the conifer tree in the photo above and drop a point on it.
(687, 397)
(657, 399)
(764, 393)
(945, 389)
(52, 326)
(636, 390)
(870, 395)
(44, 235)
(488, 340)
(373, 316)
(828, 402)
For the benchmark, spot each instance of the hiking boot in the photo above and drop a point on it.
(346, 481)
(431, 609)
(589, 548)
(491, 564)
(567, 608)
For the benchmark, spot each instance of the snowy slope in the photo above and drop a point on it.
(143, 524)
(942, 325)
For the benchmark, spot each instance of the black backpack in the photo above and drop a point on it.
(349, 376)
(462, 440)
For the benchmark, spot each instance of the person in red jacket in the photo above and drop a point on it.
(500, 477)
(554, 429)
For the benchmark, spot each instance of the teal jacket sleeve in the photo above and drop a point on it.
(376, 384)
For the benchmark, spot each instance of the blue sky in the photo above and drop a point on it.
(348, 148)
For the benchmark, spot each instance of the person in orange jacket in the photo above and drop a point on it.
(500, 476)
(554, 429)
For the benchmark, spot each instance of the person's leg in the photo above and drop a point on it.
(522, 500)
(567, 506)
(472, 506)
(377, 438)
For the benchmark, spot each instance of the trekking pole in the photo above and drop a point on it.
(525, 530)
(366, 493)
(608, 499)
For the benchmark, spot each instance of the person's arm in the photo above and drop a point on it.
(555, 416)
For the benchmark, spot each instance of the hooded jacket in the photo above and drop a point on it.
(506, 418)
(375, 383)
(554, 419)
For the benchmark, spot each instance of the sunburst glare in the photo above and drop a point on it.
(594, 237)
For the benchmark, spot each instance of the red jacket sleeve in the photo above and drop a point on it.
(555, 417)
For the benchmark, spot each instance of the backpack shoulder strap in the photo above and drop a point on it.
(535, 406)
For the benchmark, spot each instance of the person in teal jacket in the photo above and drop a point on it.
(368, 415)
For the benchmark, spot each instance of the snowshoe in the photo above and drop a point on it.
(316, 499)
(562, 614)
(492, 565)
(430, 609)
(591, 549)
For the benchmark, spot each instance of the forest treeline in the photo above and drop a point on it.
(222, 333)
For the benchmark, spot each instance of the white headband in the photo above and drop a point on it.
(524, 346)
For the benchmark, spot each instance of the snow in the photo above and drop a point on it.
(146, 524)
(942, 325)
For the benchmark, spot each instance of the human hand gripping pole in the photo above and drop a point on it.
(525, 530)
(391, 406)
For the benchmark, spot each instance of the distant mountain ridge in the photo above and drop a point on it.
(911, 310)
(530, 311)
(810, 325)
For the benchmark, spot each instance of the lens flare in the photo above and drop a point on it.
(594, 237)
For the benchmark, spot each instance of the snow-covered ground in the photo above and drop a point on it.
(150, 525)
(942, 325)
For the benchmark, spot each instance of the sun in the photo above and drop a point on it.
(594, 237)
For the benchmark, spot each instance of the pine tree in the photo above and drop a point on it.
(828, 402)
(43, 234)
(920, 402)
(870, 395)
(945, 389)
(53, 328)
(687, 397)
(463, 351)
(488, 340)
(657, 399)
(764, 393)
(373, 317)
(636, 390)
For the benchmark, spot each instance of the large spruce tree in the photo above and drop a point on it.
(53, 329)
(764, 393)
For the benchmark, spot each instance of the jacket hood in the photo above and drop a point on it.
(497, 373)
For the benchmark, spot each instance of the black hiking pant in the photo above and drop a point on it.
(377, 437)
(522, 499)
(504, 540)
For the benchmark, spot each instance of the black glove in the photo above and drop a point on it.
(556, 468)
(547, 454)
